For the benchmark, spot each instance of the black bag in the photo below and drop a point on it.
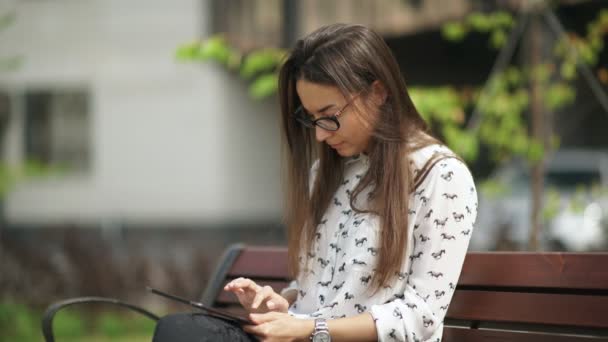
(198, 327)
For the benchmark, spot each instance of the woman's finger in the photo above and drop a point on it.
(249, 329)
(243, 284)
(263, 294)
(233, 283)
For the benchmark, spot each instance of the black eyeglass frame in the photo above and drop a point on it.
(306, 122)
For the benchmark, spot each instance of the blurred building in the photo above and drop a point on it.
(143, 139)
(147, 142)
(254, 23)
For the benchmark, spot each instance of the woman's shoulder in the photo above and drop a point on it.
(436, 160)
(422, 156)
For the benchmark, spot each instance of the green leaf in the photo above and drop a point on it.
(464, 143)
(454, 31)
(264, 86)
(541, 72)
(561, 47)
(597, 43)
(187, 52)
(577, 201)
(603, 17)
(568, 70)
(536, 152)
(587, 54)
(498, 39)
(214, 48)
(480, 22)
(259, 61)
(519, 144)
(558, 95)
(503, 19)
(552, 204)
(513, 76)
(440, 104)
(492, 188)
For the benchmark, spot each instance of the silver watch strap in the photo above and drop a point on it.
(321, 325)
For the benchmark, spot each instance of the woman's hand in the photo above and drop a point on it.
(280, 327)
(255, 298)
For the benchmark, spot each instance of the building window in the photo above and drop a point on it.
(56, 128)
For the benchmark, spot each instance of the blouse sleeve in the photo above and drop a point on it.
(445, 211)
(292, 286)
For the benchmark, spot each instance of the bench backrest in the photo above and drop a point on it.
(504, 296)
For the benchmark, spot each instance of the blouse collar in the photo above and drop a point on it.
(361, 157)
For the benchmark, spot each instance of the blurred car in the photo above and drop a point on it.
(579, 221)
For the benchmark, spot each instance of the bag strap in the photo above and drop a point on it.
(426, 168)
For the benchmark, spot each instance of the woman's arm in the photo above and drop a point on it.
(290, 295)
(276, 326)
(445, 206)
(355, 328)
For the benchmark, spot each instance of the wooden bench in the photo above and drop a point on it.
(501, 296)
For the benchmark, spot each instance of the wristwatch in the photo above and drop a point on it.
(321, 332)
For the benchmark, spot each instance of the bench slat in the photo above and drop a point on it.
(540, 308)
(505, 291)
(548, 270)
(480, 335)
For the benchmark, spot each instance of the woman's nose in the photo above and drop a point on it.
(321, 134)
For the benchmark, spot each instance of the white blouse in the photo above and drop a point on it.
(335, 283)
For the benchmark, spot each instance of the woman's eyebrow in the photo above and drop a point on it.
(320, 110)
(325, 108)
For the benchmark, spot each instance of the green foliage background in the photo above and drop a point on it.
(21, 323)
(502, 124)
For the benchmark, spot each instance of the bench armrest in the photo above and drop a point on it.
(216, 281)
(49, 314)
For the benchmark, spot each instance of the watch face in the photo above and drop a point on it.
(321, 336)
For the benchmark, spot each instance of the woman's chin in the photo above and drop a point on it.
(346, 152)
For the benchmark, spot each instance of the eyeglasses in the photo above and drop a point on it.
(329, 123)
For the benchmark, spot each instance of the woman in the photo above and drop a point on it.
(379, 213)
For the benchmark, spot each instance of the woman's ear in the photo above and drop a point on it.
(379, 93)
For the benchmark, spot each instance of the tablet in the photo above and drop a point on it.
(210, 311)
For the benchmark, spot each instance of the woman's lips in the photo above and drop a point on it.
(336, 146)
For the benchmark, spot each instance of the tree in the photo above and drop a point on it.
(497, 119)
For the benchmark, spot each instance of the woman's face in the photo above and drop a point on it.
(321, 100)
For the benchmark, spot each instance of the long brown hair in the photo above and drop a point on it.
(350, 57)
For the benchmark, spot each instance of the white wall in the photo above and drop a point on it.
(171, 142)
